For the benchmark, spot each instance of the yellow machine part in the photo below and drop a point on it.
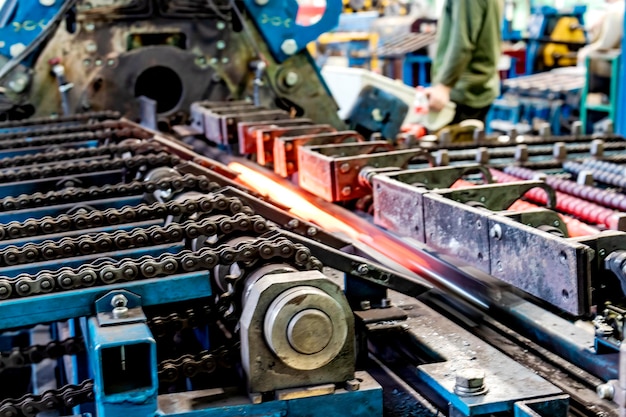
(567, 29)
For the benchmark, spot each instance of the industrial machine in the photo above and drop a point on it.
(265, 258)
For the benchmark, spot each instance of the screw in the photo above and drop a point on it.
(225, 60)
(289, 46)
(293, 223)
(221, 25)
(291, 79)
(362, 269)
(119, 300)
(344, 168)
(110, 62)
(220, 44)
(89, 27)
(353, 385)
(605, 391)
(311, 231)
(98, 62)
(496, 232)
(86, 62)
(346, 191)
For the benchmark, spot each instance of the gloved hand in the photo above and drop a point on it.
(438, 97)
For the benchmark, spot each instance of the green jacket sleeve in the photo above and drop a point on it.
(467, 21)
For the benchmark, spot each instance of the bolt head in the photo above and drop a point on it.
(605, 391)
(261, 2)
(291, 79)
(119, 300)
(470, 378)
(289, 46)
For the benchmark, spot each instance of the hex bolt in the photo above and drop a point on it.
(220, 44)
(346, 191)
(605, 391)
(363, 269)
(293, 223)
(385, 303)
(261, 2)
(344, 168)
(289, 46)
(291, 78)
(221, 25)
(47, 3)
(597, 148)
(89, 27)
(366, 305)
(311, 231)
(353, 385)
(119, 300)
(470, 382)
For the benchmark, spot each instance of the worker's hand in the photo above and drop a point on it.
(438, 97)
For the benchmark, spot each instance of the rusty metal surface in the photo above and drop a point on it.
(286, 147)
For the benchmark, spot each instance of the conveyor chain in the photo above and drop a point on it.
(147, 267)
(121, 240)
(58, 155)
(18, 357)
(190, 365)
(75, 167)
(128, 214)
(188, 182)
(31, 404)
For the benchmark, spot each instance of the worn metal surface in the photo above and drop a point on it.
(332, 171)
(455, 349)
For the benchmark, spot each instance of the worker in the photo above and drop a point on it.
(465, 68)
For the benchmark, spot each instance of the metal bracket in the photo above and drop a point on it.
(277, 22)
(119, 307)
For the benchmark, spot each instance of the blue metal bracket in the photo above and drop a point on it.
(21, 22)
(276, 20)
(123, 363)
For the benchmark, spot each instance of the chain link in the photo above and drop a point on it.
(127, 132)
(147, 267)
(161, 326)
(30, 405)
(138, 237)
(129, 214)
(19, 357)
(78, 153)
(71, 195)
(81, 167)
(191, 365)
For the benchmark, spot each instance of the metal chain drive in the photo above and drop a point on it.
(147, 267)
(80, 167)
(31, 404)
(122, 240)
(120, 133)
(58, 155)
(71, 195)
(128, 214)
(190, 365)
(17, 357)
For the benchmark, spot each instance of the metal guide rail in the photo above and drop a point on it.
(543, 215)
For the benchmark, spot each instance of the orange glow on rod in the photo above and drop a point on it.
(332, 218)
